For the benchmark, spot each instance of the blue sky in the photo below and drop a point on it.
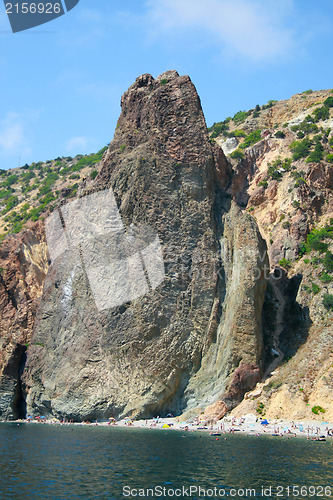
(61, 83)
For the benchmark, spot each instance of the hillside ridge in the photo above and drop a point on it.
(282, 173)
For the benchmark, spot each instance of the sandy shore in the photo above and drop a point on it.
(249, 425)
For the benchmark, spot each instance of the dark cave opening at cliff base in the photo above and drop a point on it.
(14, 371)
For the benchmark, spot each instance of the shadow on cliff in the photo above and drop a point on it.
(286, 323)
(13, 405)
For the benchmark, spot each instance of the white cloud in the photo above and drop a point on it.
(80, 144)
(254, 29)
(13, 136)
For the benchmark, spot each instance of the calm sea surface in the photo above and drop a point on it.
(67, 462)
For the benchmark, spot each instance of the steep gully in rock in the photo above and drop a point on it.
(279, 326)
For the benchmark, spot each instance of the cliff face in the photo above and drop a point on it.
(284, 180)
(23, 267)
(209, 333)
(180, 345)
(235, 338)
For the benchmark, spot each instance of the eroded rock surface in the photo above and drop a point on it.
(178, 346)
(23, 267)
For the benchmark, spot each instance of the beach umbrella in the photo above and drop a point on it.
(264, 422)
(165, 426)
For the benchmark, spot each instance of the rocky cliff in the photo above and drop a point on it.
(282, 155)
(178, 346)
(241, 320)
(22, 273)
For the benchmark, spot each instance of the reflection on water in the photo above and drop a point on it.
(70, 462)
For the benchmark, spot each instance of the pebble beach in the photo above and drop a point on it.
(248, 425)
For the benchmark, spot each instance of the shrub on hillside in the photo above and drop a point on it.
(5, 194)
(219, 128)
(241, 116)
(251, 139)
(44, 190)
(298, 177)
(317, 409)
(329, 102)
(328, 301)
(300, 149)
(11, 203)
(264, 183)
(12, 179)
(328, 262)
(278, 167)
(269, 105)
(237, 154)
(315, 240)
(317, 155)
(325, 278)
(89, 160)
(306, 127)
(285, 263)
(237, 133)
(321, 113)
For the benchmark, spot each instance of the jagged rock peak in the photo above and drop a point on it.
(147, 80)
(163, 115)
(167, 102)
(146, 84)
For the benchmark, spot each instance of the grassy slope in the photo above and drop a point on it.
(29, 192)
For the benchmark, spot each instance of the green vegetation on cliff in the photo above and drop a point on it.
(32, 190)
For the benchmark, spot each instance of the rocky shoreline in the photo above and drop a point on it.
(248, 425)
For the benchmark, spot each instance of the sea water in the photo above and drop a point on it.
(79, 462)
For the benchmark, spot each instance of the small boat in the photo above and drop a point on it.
(214, 434)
